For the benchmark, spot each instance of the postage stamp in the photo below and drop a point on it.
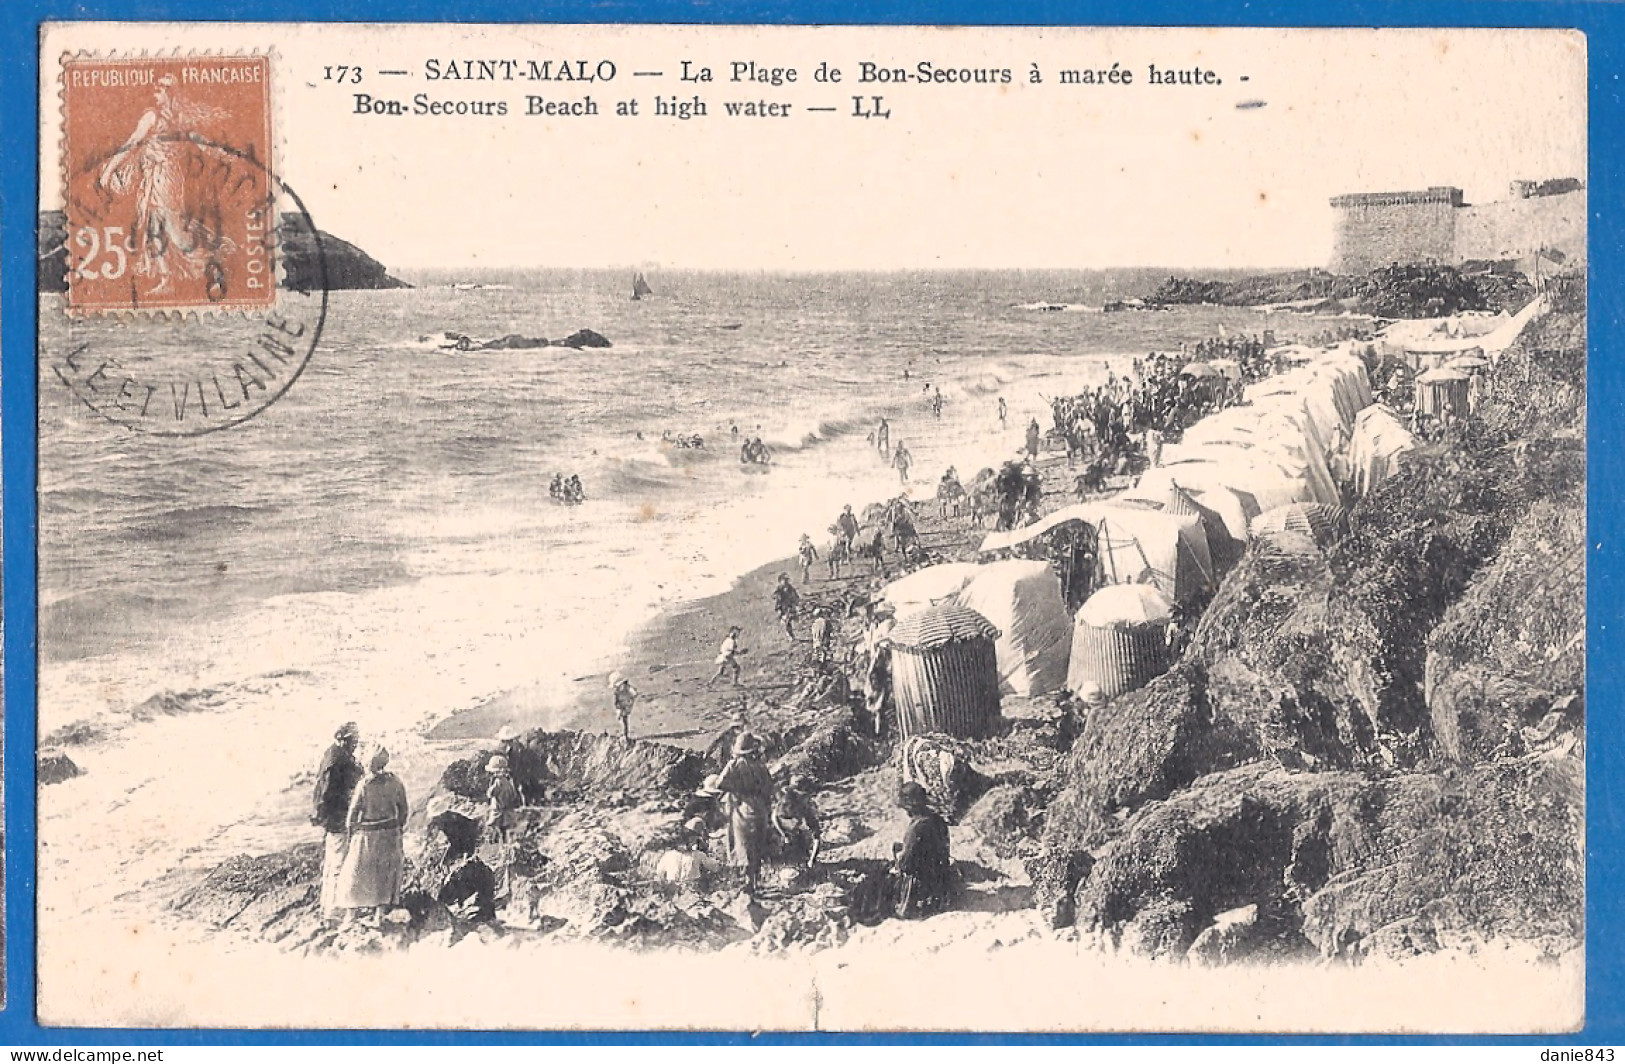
(167, 183)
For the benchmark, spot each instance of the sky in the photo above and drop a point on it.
(1015, 175)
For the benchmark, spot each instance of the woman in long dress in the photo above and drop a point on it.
(371, 878)
(749, 787)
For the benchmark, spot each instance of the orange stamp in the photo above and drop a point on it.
(169, 195)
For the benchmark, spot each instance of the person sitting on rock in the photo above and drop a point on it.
(924, 867)
(795, 818)
(470, 889)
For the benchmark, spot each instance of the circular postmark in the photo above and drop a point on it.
(215, 224)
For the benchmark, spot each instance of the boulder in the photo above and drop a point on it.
(574, 763)
(1349, 865)
(1513, 647)
(55, 768)
(1455, 861)
(1138, 748)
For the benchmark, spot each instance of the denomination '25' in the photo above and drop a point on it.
(93, 242)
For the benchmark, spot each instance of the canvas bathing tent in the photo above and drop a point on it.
(1378, 445)
(1023, 600)
(945, 672)
(1132, 542)
(1119, 641)
(1441, 390)
(925, 587)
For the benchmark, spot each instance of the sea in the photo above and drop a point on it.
(380, 545)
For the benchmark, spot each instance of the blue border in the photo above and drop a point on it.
(1604, 26)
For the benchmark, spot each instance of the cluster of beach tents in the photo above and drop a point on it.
(1262, 469)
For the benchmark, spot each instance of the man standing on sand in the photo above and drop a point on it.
(728, 657)
(1033, 433)
(785, 603)
(847, 523)
(1004, 412)
(336, 779)
(883, 438)
(625, 697)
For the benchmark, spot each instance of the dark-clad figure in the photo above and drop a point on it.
(795, 817)
(336, 779)
(786, 601)
(749, 790)
(925, 870)
(470, 890)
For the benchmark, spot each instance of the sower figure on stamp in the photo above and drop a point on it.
(149, 161)
(336, 779)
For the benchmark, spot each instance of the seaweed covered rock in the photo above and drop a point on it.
(571, 763)
(1414, 545)
(268, 895)
(1512, 649)
(1250, 836)
(1344, 864)
(1274, 663)
(1439, 862)
(833, 748)
(1141, 747)
(1006, 817)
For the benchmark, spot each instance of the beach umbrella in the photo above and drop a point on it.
(1126, 604)
(1199, 369)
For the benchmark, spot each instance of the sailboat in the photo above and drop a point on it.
(640, 287)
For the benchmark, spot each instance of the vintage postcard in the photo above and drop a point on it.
(789, 528)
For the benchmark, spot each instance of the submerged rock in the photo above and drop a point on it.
(56, 768)
(583, 338)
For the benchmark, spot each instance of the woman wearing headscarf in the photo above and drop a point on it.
(371, 878)
(925, 870)
(749, 790)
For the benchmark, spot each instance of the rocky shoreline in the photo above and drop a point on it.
(1371, 746)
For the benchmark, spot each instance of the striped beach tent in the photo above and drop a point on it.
(1119, 640)
(1319, 522)
(945, 672)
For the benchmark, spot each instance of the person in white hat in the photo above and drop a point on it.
(625, 697)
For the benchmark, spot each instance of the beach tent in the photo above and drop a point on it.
(1119, 640)
(1379, 442)
(1132, 542)
(1252, 473)
(1321, 523)
(1439, 390)
(945, 672)
(934, 583)
(1023, 600)
(1167, 494)
(1235, 507)
(1280, 457)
